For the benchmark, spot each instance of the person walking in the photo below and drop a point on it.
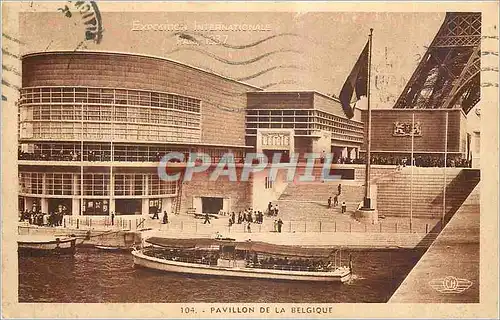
(165, 217)
(156, 214)
(249, 228)
(336, 200)
(339, 189)
(207, 219)
(276, 210)
(270, 208)
(112, 219)
(344, 207)
(329, 202)
(275, 225)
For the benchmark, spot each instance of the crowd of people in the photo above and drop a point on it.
(419, 161)
(291, 264)
(250, 216)
(62, 156)
(252, 260)
(38, 218)
(244, 217)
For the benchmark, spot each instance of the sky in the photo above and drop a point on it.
(292, 51)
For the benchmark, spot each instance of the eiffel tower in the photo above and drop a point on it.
(448, 76)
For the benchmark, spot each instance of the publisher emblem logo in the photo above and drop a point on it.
(450, 284)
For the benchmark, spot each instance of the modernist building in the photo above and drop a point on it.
(93, 126)
(312, 121)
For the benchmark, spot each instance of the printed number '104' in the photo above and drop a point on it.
(187, 310)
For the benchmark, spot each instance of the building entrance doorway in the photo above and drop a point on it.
(211, 204)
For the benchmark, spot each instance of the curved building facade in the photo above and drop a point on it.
(93, 126)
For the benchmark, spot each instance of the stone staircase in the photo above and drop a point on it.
(393, 194)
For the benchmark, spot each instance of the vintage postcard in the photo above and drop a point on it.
(249, 160)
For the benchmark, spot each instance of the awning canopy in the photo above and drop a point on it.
(253, 246)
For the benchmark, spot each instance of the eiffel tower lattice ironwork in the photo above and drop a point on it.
(448, 76)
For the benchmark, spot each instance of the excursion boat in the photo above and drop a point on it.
(42, 245)
(215, 257)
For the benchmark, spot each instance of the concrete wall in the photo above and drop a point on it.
(223, 101)
(280, 100)
(261, 195)
(329, 105)
(433, 130)
(239, 193)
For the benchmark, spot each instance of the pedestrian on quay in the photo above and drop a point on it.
(276, 210)
(240, 218)
(233, 217)
(339, 189)
(112, 218)
(329, 202)
(155, 214)
(165, 217)
(249, 228)
(269, 208)
(344, 207)
(336, 200)
(207, 219)
(280, 224)
(275, 225)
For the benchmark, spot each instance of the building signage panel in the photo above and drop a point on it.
(403, 129)
(275, 140)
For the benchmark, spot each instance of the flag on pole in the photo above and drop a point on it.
(355, 82)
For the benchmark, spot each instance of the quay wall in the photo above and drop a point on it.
(112, 238)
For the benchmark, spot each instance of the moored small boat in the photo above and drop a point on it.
(43, 245)
(113, 248)
(242, 259)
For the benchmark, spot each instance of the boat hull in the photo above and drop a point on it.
(47, 247)
(145, 261)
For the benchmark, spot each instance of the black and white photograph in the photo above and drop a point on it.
(221, 161)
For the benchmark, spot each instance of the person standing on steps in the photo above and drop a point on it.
(344, 207)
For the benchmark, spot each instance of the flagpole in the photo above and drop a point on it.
(444, 170)
(412, 165)
(367, 200)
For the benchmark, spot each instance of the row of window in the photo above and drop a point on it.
(94, 184)
(267, 112)
(102, 152)
(289, 121)
(103, 131)
(298, 131)
(105, 114)
(108, 96)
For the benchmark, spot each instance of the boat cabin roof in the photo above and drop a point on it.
(253, 246)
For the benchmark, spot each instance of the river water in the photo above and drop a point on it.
(97, 276)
